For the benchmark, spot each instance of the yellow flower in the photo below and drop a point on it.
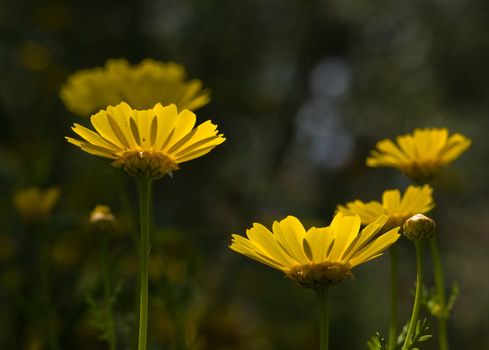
(317, 257)
(148, 143)
(35, 205)
(420, 155)
(416, 200)
(142, 86)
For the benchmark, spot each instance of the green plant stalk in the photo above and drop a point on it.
(393, 326)
(440, 293)
(419, 288)
(144, 212)
(107, 296)
(322, 293)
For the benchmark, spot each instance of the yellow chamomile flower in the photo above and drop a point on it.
(148, 143)
(419, 155)
(317, 257)
(416, 200)
(142, 86)
(34, 204)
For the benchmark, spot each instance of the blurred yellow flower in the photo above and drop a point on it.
(142, 86)
(34, 204)
(148, 143)
(420, 155)
(317, 257)
(416, 200)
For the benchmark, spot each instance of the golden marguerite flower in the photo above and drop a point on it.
(35, 204)
(419, 155)
(317, 257)
(416, 200)
(148, 143)
(142, 86)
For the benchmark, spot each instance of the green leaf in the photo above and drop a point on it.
(376, 342)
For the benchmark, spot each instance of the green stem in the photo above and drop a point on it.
(144, 212)
(322, 293)
(419, 288)
(107, 296)
(393, 326)
(440, 292)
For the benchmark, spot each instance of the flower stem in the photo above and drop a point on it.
(419, 288)
(144, 212)
(107, 296)
(393, 326)
(322, 293)
(440, 291)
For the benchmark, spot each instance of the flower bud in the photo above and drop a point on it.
(102, 220)
(418, 227)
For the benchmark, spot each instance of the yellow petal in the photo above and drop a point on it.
(292, 231)
(375, 247)
(391, 200)
(264, 240)
(166, 123)
(345, 232)
(102, 126)
(184, 123)
(93, 138)
(317, 239)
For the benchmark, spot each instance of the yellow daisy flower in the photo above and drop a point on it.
(142, 86)
(317, 257)
(416, 200)
(34, 204)
(148, 143)
(420, 155)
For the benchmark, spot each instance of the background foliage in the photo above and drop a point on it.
(302, 90)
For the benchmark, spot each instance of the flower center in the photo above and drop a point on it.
(147, 164)
(421, 172)
(322, 274)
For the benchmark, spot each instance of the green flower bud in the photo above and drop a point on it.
(418, 227)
